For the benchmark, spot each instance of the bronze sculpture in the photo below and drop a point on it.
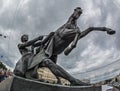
(56, 43)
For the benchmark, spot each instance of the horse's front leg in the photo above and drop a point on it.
(90, 29)
(108, 30)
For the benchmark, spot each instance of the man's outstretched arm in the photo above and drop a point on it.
(31, 42)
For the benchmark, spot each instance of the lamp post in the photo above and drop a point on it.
(2, 36)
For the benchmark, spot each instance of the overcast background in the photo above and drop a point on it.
(38, 17)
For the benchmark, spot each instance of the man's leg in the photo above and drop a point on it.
(32, 73)
(60, 72)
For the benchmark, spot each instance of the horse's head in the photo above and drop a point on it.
(77, 12)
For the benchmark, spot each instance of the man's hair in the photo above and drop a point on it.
(22, 37)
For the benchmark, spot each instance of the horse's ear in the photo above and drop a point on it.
(77, 8)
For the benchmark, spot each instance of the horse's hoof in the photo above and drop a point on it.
(111, 32)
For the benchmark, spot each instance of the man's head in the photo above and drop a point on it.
(77, 12)
(24, 38)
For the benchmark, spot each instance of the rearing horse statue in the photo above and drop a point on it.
(64, 39)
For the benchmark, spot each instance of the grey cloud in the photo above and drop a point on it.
(37, 17)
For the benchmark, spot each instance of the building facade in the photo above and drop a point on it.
(47, 75)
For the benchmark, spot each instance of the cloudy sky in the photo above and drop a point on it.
(39, 17)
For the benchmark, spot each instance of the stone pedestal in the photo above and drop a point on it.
(21, 84)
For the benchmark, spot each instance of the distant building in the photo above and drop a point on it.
(47, 75)
(86, 80)
(109, 90)
(114, 89)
